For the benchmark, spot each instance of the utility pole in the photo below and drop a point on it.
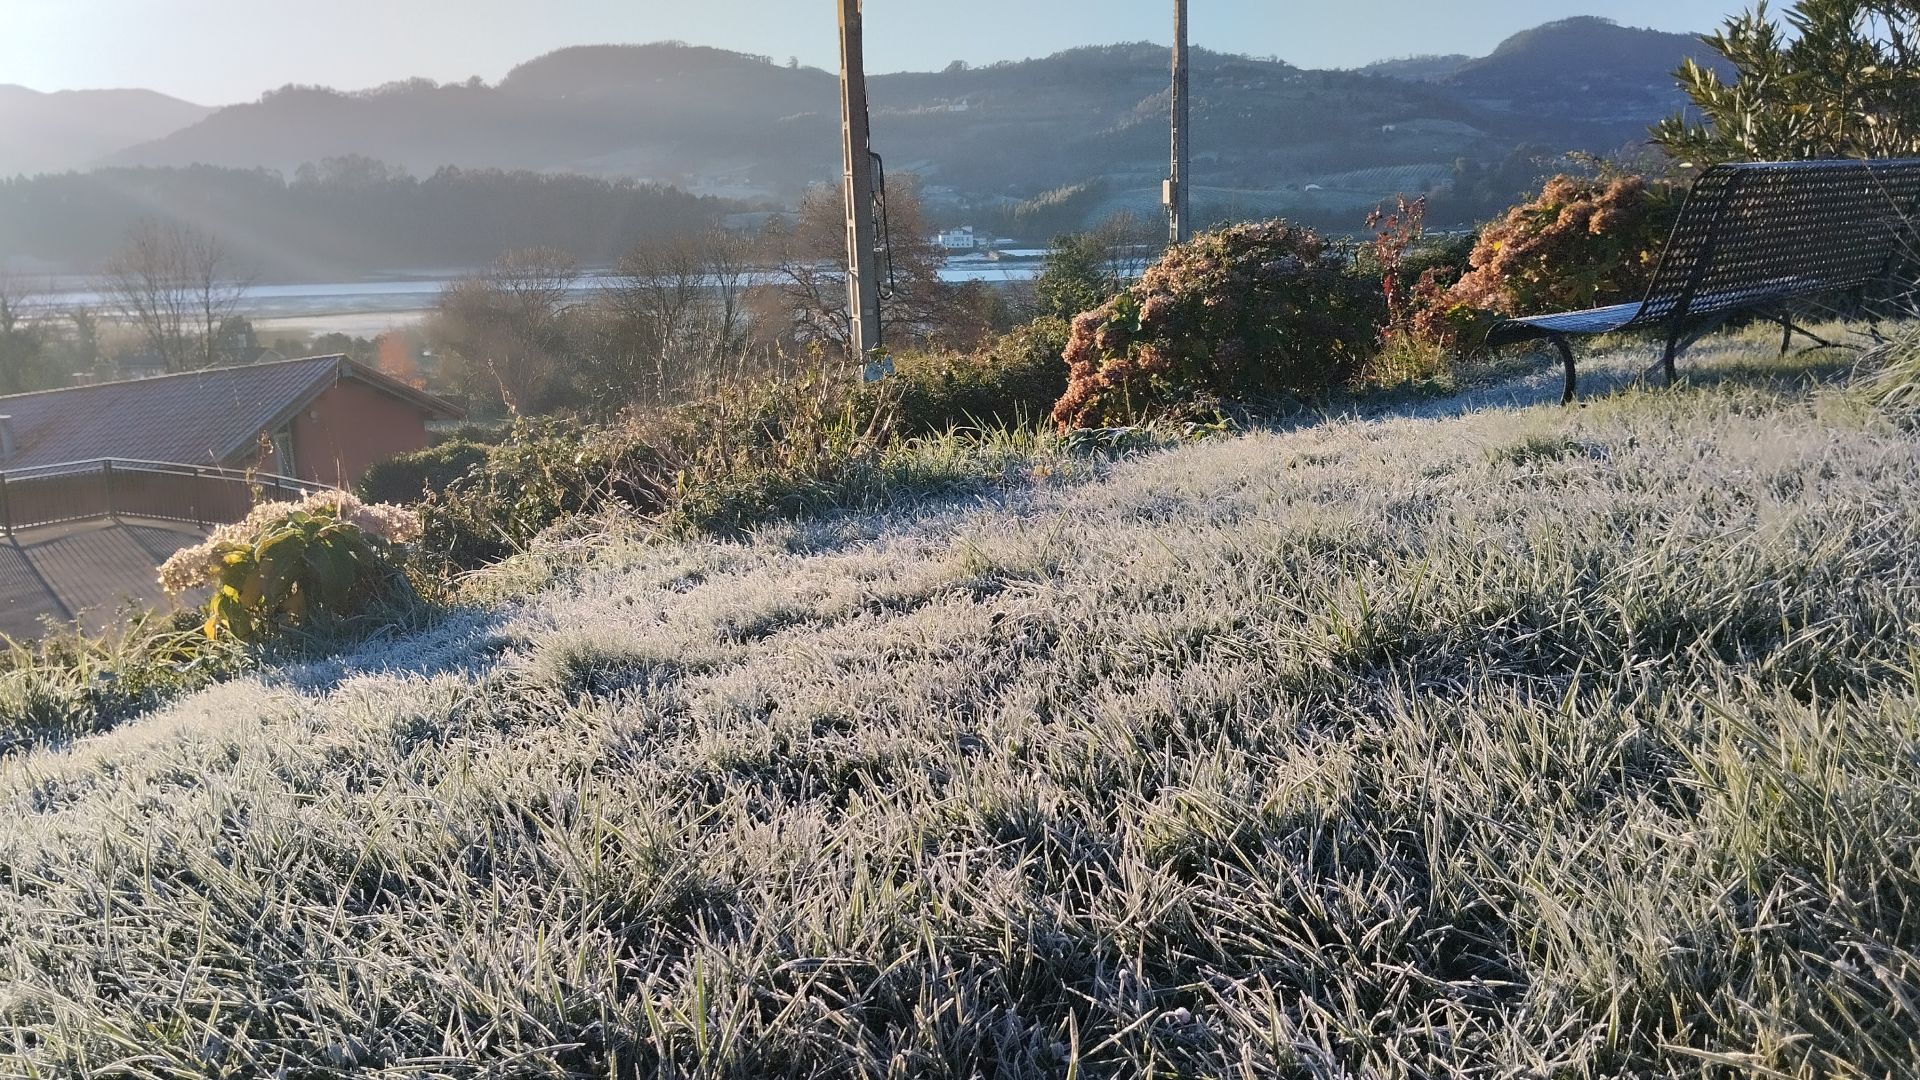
(1177, 196)
(863, 277)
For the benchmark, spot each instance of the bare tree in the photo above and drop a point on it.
(730, 264)
(677, 314)
(657, 292)
(503, 328)
(177, 285)
(23, 339)
(1132, 242)
(916, 305)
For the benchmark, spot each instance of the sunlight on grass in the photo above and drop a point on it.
(1535, 742)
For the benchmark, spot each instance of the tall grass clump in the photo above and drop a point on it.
(1892, 379)
(1511, 743)
(68, 683)
(757, 451)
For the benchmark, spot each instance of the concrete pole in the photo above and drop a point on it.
(863, 279)
(1178, 196)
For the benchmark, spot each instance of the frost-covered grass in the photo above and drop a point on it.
(1509, 741)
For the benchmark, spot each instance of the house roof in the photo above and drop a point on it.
(200, 417)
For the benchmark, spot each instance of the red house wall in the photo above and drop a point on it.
(349, 429)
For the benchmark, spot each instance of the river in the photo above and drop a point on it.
(372, 307)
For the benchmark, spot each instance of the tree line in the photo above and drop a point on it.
(342, 216)
(679, 314)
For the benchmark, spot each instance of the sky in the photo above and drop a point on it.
(219, 52)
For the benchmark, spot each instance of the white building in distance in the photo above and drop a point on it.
(961, 239)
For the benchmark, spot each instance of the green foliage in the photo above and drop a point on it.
(68, 683)
(24, 361)
(1011, 381)
(543, 471)
(334, 222)
(303, 564)
(1062, 210)
(1078, 276)
(1839, 80)
(1251, 313)
(408, 477)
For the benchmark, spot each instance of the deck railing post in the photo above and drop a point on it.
(6, 506)
(106, 483)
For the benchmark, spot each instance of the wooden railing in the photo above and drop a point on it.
(116, 487)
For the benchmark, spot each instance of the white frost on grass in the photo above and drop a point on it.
(1455, 741)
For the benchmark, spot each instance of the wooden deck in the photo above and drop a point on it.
(84, 571)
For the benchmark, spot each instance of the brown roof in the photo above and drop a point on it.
(200, 417)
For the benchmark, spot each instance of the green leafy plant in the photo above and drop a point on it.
(408, 477)
(1011, 381)
(1839, 80)
(290, 563)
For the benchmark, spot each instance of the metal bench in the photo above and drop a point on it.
(1751, 238)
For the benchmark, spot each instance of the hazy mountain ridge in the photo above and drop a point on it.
(1584, 78)
(72, 129)
(1270, 137)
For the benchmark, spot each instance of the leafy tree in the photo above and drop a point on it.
(1076, 277)
(1839, 80)
(1085, 270)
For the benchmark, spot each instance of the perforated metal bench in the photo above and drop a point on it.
(1753, 238)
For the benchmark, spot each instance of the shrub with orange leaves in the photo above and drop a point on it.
(1251, 313)
(1580, 243)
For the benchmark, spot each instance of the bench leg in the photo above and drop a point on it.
(1566, 360)
(1790, 328)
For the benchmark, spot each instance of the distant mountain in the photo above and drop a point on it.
(1584, 80)
(1082, 132)
(737, 126)
(1429, 68)
(697, 117)
(73, 129)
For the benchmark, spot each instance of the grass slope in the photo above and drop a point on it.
(1517, 742)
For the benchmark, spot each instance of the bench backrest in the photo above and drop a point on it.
(1754, 232)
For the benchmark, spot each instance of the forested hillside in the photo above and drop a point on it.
(1271, 137)
(345, 217)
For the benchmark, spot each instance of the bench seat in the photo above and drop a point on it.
(1600, 320)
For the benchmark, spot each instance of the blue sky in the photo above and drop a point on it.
(221, 51)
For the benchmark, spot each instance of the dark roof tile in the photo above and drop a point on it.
(200, 417)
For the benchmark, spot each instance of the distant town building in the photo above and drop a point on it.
(961, 239)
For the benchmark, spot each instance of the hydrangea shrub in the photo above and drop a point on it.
(1252, 313)
(1579, 243)
(287, 563)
